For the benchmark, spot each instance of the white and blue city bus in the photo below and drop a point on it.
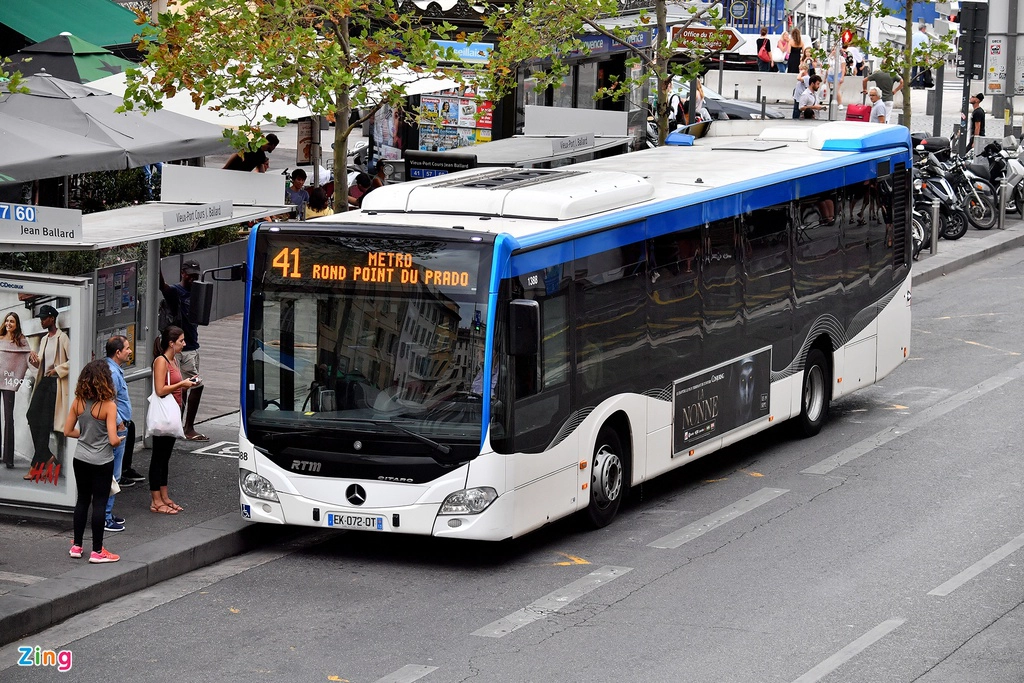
(478, 354)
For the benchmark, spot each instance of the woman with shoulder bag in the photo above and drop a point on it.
(785, 41)
(167, 381)
(764, 52)
(93, 421)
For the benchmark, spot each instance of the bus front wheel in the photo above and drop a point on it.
(607, 478)
(816, 394)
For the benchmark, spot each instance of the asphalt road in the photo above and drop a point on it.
(885, 549)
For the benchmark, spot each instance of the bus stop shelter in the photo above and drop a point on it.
(91, 307)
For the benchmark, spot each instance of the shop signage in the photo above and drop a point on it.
(473, 53)
(598, 45)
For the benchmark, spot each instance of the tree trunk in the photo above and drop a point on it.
(662, 53)
(341, 130)
(342, 112)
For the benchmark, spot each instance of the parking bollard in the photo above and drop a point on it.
(764, 101)
(736, 91)
(1003, 187)
(936, 226)
(758, 98)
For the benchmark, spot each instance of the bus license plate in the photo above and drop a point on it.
(363, 522)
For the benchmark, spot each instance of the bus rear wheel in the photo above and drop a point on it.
(607, 478)
(815, 395)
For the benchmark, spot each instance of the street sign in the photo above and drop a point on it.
(40, 224)
(726, 39)
(995, 78)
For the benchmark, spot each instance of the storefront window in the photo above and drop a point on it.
(563, 92)
(586, 86)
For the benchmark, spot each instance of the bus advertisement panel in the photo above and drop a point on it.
(719, 400)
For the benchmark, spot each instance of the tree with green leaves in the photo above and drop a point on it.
(12, 81)
(548, 34)
(332, 56)
(892, 57)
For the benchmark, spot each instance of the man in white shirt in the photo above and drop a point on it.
(878, 108)
(809, 105)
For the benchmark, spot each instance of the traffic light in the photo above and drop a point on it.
(847, 37)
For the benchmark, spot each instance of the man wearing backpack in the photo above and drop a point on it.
(178, 298)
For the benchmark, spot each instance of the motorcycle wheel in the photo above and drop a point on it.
(917, 234)
(954, 225)
(981, 213)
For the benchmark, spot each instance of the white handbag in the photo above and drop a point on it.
(164, 417)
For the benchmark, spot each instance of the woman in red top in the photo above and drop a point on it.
(166, 380)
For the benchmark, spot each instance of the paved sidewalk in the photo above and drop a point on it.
(41, 586)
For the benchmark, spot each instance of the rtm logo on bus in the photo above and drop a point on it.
(305, 466)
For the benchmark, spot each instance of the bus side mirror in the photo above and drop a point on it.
(201, 294)
(200, 302)
(524, 327)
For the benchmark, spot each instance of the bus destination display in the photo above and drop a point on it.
(374, 267)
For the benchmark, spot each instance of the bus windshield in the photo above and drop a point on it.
(365, 332)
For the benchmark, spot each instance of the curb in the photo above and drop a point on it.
(36, 607)
(943, 264)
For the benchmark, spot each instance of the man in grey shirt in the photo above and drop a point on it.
(887, 84)
(809, 105)
(878, 113)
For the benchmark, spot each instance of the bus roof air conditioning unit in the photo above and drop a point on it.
(543, 194)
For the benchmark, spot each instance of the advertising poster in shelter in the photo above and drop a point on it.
(116, 307)
(716, 401)
(387, 132)
(43, 345)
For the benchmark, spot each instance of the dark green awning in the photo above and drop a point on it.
(102, 22)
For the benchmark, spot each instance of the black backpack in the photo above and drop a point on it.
(167, 315)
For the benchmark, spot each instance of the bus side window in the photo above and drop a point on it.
(531, 374)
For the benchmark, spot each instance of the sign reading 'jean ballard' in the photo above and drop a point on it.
(714, 402)
(197, 214)
(40, 224)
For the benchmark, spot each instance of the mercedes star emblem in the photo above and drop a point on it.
(355, 494)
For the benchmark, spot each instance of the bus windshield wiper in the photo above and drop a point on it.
(419, 437)
(439, 447)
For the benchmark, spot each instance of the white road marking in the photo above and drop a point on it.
(23, 579)
(850, 651)
(716, 519)
(223, 449)
(407, 674)
(978, 567)
(552, 602)
(114, 612)
(921, 419)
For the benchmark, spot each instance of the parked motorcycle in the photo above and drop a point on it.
(977, 196)
(931, 184)
(996, 165)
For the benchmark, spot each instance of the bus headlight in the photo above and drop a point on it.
(257, 486)
(468, 501)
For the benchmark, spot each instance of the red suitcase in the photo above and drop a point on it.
(858, 112)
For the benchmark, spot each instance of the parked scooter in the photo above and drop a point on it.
(995, 165)
(933, 184)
